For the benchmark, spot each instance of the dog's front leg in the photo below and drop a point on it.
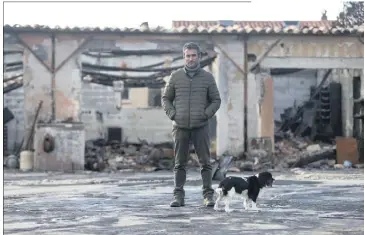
(254, 206)
(249, 203)
(226, 208)
(245, 204)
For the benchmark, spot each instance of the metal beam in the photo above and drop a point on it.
(23, 43)
(229, 58)
(266, 52)
(313, 62)
(77, 50)
(53, 77)
(245, 91)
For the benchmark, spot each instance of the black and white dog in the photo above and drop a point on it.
(246, 188)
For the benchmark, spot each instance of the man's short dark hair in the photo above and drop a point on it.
(190, 46)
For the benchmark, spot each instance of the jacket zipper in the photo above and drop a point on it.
(191, 80)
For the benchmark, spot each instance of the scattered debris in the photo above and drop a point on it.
(293, 152)
(115, 156)
(221, 167)
(290, 152)
(359, 166)
(339, 166)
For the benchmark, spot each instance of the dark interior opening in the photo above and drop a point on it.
(115, 134)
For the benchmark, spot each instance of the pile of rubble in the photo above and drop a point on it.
(301, 152)
(143, 156)
(101, 155)
(290, 152)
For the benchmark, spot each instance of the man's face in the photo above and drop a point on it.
(191, 57)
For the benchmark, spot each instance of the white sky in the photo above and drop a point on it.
(128, 14)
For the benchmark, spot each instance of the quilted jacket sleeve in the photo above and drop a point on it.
(168, 97)
(214, 99)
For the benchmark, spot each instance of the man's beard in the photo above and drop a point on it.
(193, 65)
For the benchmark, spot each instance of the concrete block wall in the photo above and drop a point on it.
(290, 88)
(150, 124)
(145, 123)
(14, 100)
(95, 97)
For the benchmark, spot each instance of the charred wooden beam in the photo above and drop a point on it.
(203, 62)
(305, 160)
(12, 78)
(122, 78)
(10, 64)
(162, 63)
(13, 68)
(118, 53)
(12, 86)
(132, 84)
(10, 52)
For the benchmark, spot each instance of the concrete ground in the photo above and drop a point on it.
(301, 202)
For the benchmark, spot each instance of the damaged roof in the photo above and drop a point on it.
(209, 27)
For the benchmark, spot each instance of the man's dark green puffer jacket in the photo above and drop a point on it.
(190, 102)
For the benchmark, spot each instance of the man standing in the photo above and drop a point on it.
(190, 99)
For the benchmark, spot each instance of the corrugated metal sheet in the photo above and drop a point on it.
(207, 27)
(308, 47)
(253, 24)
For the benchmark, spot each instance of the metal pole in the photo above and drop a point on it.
(53, 77)
(245, 98)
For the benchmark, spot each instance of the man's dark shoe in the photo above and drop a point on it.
(177, 202)
(209, 202)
